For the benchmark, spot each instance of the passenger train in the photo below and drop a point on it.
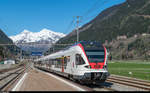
(85, 62)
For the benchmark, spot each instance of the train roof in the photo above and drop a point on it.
(86, 44)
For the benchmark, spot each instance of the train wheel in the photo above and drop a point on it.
(102, 81)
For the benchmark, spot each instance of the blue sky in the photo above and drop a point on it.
(56, 15)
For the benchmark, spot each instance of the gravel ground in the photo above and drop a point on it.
(3, 82)
(5, 66)
(116, 87)
(121, 87)
(7, 73)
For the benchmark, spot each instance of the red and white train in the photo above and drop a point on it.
(85, 62)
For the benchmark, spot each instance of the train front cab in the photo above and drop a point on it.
(91, 63)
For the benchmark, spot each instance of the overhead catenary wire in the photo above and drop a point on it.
(86, 13)
(83, 17)
(95, 7)
(32, 44)
(91, 9)
(70, 25)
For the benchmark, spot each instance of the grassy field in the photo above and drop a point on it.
(135, 69)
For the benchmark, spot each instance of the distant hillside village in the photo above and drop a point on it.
(136, 47)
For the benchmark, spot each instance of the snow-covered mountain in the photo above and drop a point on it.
(31, 39)
(43, 36)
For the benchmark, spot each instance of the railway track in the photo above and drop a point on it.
(9, 77)
(7, 70)
(141, 84)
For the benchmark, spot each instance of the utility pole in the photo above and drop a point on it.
(21, 54)
(77, 28)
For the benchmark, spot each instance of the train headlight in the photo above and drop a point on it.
(105, 67)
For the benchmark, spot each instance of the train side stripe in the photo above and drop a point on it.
(105, 54)
(83, 52)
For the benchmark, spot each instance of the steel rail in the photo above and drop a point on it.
(6, 70)
(4, 86)
(9, 74)
(132, 81)
(129, 83)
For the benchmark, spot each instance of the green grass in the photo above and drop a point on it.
(135, 69)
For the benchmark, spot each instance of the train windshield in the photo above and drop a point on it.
(94, 51)
(95, 55)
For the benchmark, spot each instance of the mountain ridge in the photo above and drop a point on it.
(27, 36)
(41, 38)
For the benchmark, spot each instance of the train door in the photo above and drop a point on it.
(78, 61)
(68, 63)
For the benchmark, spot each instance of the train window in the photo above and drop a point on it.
(59, 62)
(55, 63)
(79, 60)
(95, 55)
(65, 61)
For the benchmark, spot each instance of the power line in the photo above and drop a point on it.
(92, 9)
(83, 17)
(88, 18)
(70, 25)
(32, 44)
